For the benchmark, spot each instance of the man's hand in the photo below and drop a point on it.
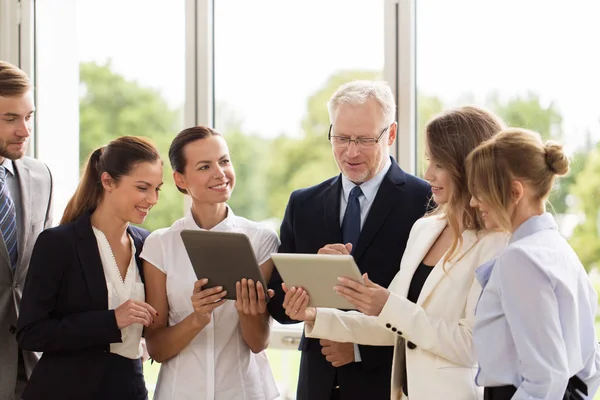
(336, 249)
(338, 354)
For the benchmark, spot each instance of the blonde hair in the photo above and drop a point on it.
(514, 153)
(450, 137)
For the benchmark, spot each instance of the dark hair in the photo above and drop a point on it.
(450, 138)
(13, 81)
(183, 138)
(117, 159)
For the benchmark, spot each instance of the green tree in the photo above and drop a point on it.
(428, 106)
(586, 236)
(111, 106)
(528, 112)
(251, 158)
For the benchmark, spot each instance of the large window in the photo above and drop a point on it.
(105, 69)
(274, 73)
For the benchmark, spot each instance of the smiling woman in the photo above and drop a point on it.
(89, 266)
(199, 337)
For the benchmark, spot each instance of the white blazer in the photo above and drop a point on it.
(433, 335)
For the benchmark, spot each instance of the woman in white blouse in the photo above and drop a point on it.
(83, 301)
(534, 325)
(210, 348)
(428, 311)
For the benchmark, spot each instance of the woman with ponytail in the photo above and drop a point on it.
(83, 302)
(534, 323)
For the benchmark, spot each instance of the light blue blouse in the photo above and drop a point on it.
(534, 323)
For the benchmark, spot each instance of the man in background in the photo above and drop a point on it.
(25, 210)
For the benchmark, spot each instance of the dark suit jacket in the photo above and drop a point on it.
(312, 220)
(64, 312)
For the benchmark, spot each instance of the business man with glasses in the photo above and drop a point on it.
(371, 205)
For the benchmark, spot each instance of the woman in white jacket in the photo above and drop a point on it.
(428, 311)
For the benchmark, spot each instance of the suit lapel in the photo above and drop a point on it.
(387, 198)
(420, 246)
(91, 264)
(331, 203)
(25, 186)
(440, 270)
(138, 243)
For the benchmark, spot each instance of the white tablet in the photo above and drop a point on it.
(318, 274)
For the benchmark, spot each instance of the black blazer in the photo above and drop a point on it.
(312, 220)
(64, 312)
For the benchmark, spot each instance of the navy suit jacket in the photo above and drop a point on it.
(312, 220)
(64, 312)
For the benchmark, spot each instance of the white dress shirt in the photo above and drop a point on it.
(534, 323)
(369, 191)
(119, 291)
(217, 364)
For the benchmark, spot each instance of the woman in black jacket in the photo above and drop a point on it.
(83, 302)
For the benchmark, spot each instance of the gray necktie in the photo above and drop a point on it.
(8, 219)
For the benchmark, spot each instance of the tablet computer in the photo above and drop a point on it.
(223, 258)
(318, 274)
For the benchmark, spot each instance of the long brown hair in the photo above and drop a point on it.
(450, 137)
(117, 159)
(514, 153)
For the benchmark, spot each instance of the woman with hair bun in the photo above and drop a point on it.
(534, 323)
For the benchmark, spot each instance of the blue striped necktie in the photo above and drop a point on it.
(8, 219)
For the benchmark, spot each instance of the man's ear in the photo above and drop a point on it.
(516, 191)
(393, 132)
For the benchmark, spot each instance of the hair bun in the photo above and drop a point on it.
(556, 159)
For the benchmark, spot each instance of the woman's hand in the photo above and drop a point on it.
(368, 298)
(205, 301)
(134, 312)
(295, 304)
(250, 298)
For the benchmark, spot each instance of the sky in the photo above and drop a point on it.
(271, 55)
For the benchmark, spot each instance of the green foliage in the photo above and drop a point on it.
(586, 237)
(111, 106)
(528, 112)
(427, 108)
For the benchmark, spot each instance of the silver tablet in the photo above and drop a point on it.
(223, 258)
(318, 274)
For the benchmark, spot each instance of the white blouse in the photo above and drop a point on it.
(217, 364)
(119, 291)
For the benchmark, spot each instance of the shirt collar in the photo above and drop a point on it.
(8, 164)
(484, 271)
(532, 225)
(222, 226)
(529, 227)
(370, 187)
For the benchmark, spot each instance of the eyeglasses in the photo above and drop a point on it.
(360, 142)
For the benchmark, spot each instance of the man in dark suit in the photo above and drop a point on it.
(25, 210)
(371, 204)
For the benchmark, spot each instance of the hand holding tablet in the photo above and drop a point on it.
(318, 274)
(224, 259)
